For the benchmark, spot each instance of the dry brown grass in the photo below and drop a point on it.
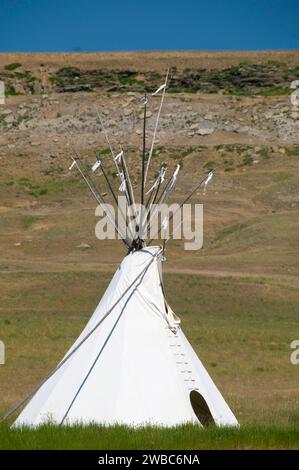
(146, 60)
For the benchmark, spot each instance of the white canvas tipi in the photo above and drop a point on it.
(136, 368)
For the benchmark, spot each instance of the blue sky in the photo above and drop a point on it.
(97, 25)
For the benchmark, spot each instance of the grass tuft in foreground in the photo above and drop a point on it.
(184, 437)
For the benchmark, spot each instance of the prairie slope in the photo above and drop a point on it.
(237, 297)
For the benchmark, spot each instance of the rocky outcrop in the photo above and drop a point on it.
(245, 79)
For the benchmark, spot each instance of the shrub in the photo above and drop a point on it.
(12, 66)
(11, 91)
(292, 151)
(69, 72)
(248, 159)
(28, 220)
(263, 152)
(210, 165)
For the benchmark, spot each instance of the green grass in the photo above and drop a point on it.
(182, 154)
(56, 80)
(292, 151)
(45, 186)
(282, 194)
(130, 81)
(33, 188)
(28, 220)
(264, 152)
(13, 66)
(22, 154)
(11, 91)
(274, 91)
(105, 151)
(243, 325)
(247, 160)
(221, 234)
(25, 76)
(155, 76)
(238, 148)
(185, 437)
(210, 165)
(173, 89)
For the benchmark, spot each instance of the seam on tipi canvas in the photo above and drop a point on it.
(100, 352)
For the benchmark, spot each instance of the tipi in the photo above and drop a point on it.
(136, 368)
(132, 364)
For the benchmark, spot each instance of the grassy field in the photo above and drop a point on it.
(119, 438)
(238, 300)
(243, 339)
(238, 297)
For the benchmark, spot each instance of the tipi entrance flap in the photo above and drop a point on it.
(201, 409)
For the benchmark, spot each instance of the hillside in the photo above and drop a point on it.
(238, 297)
